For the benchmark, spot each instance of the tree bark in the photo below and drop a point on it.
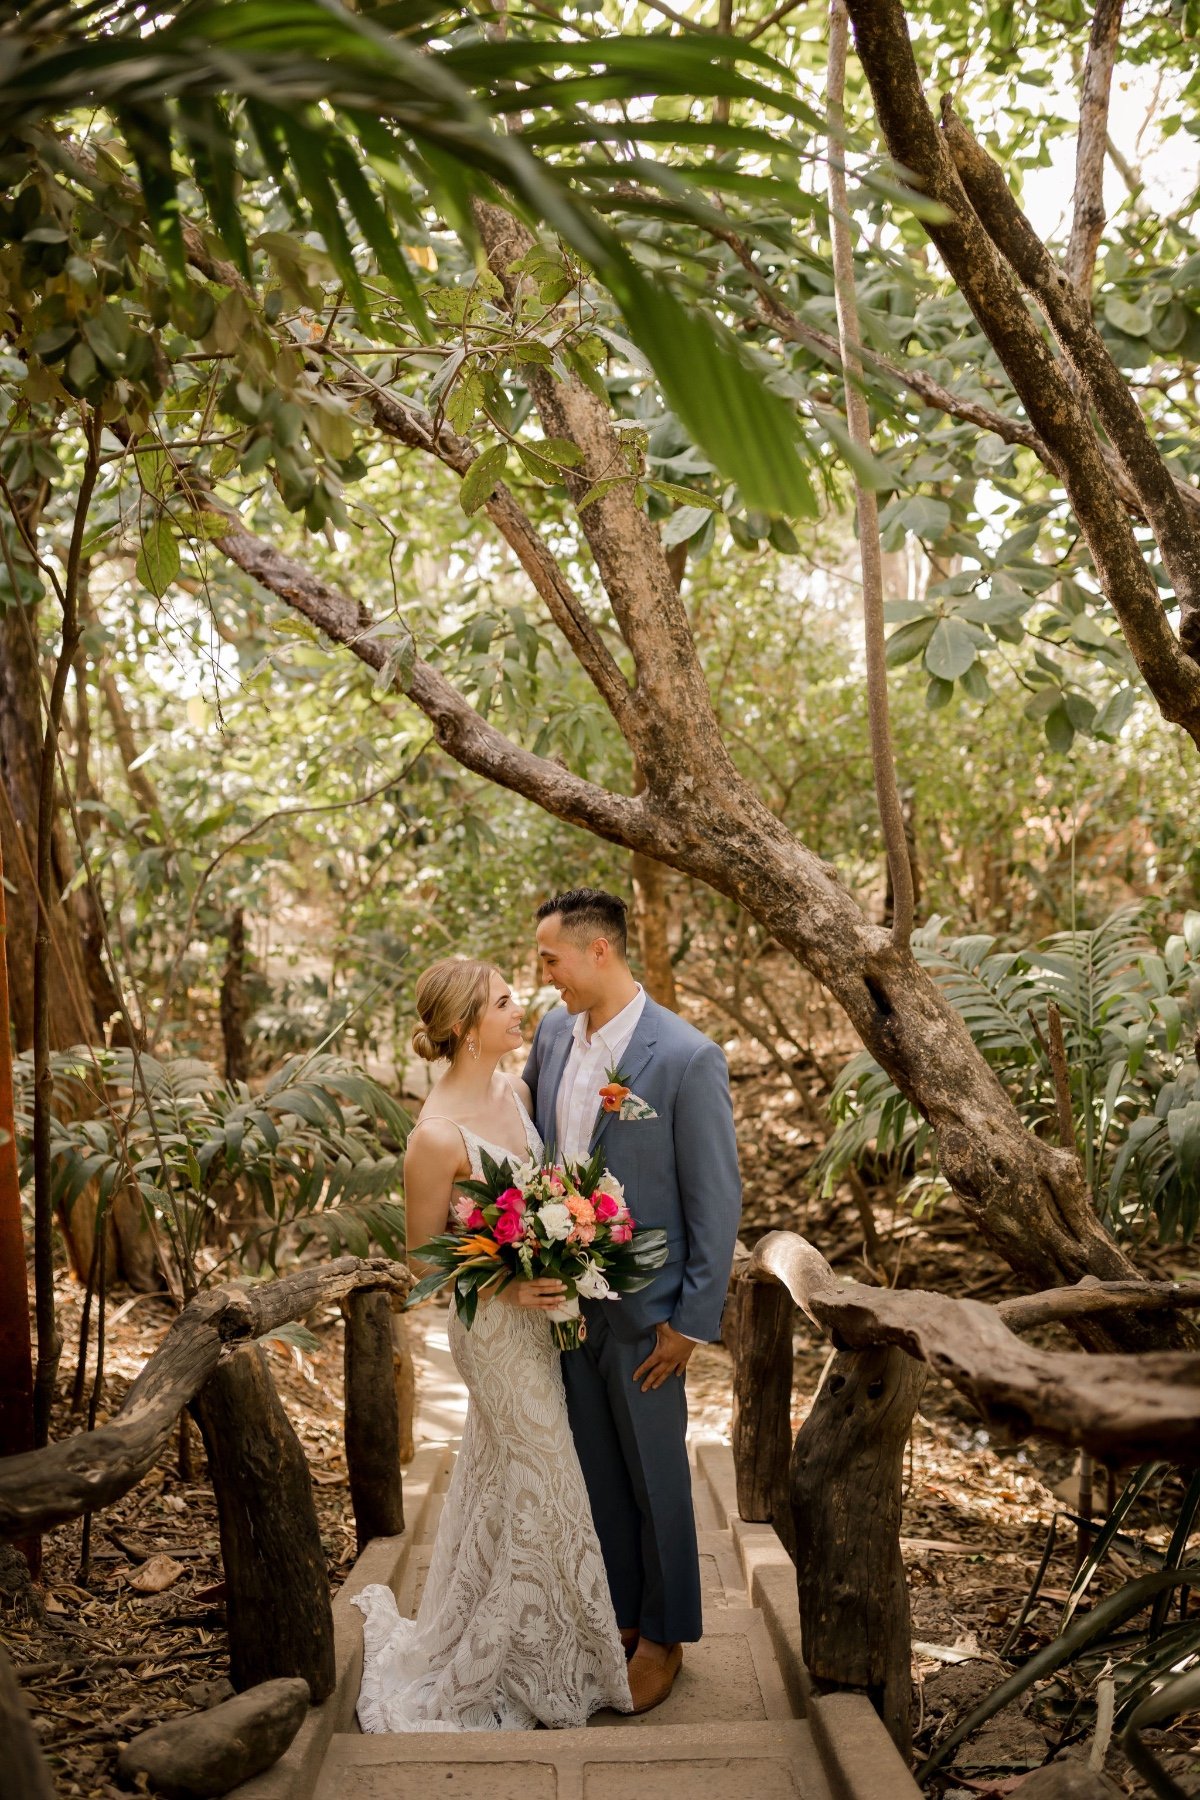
(26, 1774)
(233, 1001)
(16, 1348)
(1119, 1408)
(404, 1378)
(651, 912)
(762, 1402)
(372, 1417)
(276, 1577)
(72, 1019)
(1087, 216)
(846, 1491)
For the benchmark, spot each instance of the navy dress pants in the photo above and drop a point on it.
(633, 1450)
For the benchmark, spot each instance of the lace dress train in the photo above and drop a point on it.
(516, 1626)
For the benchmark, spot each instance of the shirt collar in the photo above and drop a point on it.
(617, 1029)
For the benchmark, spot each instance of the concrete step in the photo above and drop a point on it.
(721, 1761)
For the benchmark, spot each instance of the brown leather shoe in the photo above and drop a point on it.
(630, 1638)
(651, 1678)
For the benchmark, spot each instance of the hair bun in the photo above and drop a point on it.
(424, 1045)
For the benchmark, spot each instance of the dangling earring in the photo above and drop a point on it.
(473, 1047)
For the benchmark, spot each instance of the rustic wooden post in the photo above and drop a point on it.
(762, 1400)
(277, 1582)
(846, 1485)
(372, 1416)
(26, 1773)
(405, 1375)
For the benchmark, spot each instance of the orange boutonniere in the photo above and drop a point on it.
(616, 1096)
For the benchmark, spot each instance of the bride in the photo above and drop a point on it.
(515, 1627)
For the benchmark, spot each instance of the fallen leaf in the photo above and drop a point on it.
(156, 1575)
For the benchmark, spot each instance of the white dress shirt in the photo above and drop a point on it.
(588, 1063)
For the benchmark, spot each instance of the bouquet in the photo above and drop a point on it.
(559, 1219)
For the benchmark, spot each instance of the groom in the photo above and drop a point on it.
(625, 1386)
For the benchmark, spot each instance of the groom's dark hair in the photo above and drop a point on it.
(590, 912)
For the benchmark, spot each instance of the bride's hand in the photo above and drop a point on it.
(543, 1294)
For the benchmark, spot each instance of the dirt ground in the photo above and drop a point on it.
(100, 1659)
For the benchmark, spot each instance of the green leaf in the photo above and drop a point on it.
(480, 480)
(683, 525)
(909, 640)
(1134, 320)
(951, 650)
(159, 562)
(671, 490)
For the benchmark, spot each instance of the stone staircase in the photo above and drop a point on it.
(740, 1724)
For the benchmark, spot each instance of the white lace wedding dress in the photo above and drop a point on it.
(515, 1627)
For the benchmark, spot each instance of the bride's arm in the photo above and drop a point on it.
(433, 1161)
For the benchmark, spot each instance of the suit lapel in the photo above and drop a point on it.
(556, 1062)
(637, 1054)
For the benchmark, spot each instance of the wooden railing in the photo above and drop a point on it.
(834, 1496)
(277, 1586)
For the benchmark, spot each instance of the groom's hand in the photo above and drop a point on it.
(668, 1357)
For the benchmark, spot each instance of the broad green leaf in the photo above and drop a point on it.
(951, 650)
(480, 480)
(158, 562)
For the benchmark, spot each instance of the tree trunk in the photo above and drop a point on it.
(233, 1001)
(277, 1580)
(651, 911)
(26, 1775)
(372, 1417)
(846, 1488)
(72, 1016)
(16, 1347)
(762, 1402)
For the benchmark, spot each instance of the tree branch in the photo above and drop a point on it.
(996, 301)
(775, 312)
(628, 553)
(462, 732)
(1069, 314)
(1087, 222)
(412, 425)
(887, 794)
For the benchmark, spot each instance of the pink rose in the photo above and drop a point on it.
(468, 1215)
(605, 1207)
(508, 1228)
(622, 1231)
(511, 1200)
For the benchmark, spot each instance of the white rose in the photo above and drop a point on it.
(592, 1283)
(556, 1221)
(608, 1184)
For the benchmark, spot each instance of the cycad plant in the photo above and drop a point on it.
(315, 1152)
(1129, 1014)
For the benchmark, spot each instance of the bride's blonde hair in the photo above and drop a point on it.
(451, 994)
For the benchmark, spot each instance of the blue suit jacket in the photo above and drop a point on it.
(679, 1170)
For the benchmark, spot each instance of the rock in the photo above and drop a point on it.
(204, 1694)
(1067, 1778)
(157, 1574)
(205, 1754)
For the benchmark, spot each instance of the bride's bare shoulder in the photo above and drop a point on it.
(433, 1141)
(521, 1090)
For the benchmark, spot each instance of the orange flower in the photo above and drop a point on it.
(478, 1246)
(611, 1096)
